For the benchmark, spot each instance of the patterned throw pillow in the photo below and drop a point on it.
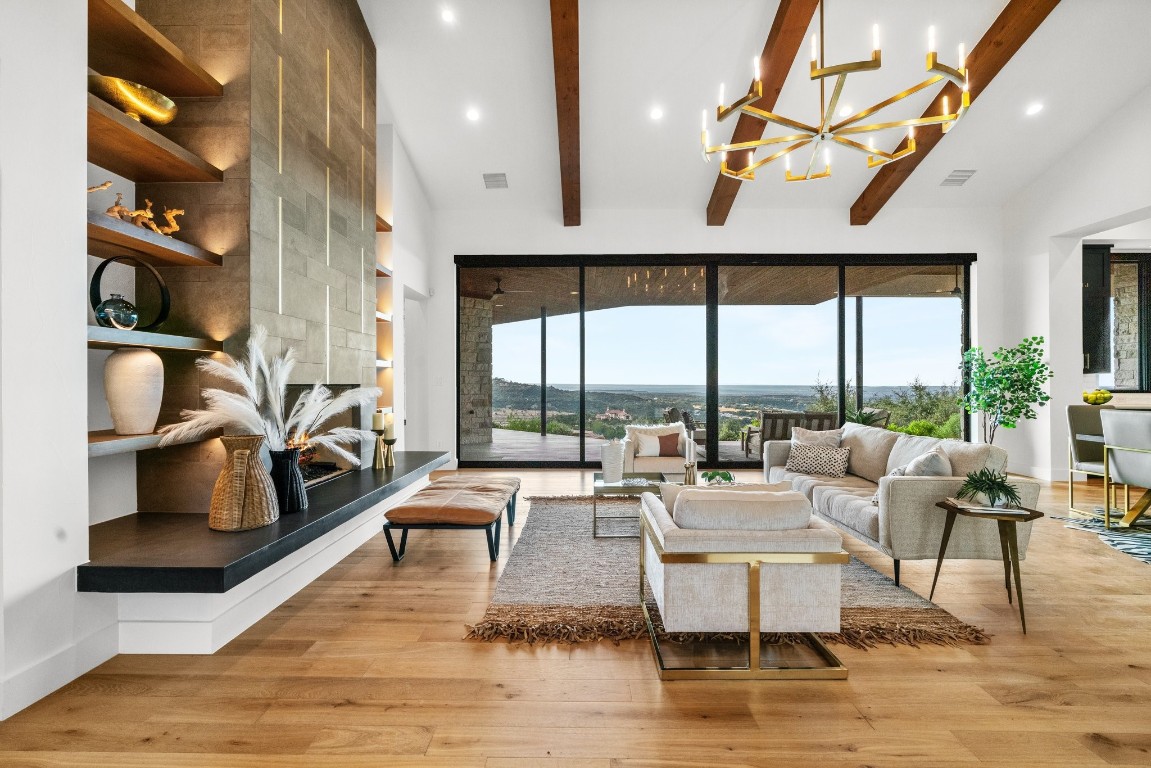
(818, 460)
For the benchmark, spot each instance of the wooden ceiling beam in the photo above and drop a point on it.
(1003, 39)
(788, 30)
(565, 56)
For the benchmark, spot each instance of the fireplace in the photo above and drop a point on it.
(321, 466)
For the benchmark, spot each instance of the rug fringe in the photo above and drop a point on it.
(861, 628)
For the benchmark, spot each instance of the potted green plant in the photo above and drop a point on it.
(991, 485)
(717, 477)
(1005, 388)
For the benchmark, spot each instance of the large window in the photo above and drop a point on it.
(558, 354)
(1116, 347)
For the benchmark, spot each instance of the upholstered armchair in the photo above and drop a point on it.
(1127, 460)
(636, 459)
(1084, 456)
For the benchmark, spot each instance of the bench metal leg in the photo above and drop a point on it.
(397, 556)
(512, 511)
(493, 534)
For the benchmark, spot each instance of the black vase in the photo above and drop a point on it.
(289, 481)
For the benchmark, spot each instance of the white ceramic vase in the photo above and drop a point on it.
(134, 386)
(611, 458)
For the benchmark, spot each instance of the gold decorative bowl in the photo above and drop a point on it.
(135, 100)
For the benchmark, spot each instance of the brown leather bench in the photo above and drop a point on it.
(455, 502)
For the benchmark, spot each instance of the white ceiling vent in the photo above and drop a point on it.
(956, 178)
(500, 180)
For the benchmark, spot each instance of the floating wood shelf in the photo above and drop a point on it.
(122, 44)
(381, 225)
(383, 317)
(382, 271)
(100, 337)
(383, 363)
(133, 150)
(108, 237)
(105, 442)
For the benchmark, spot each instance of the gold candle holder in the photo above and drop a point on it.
(378, 462)
(389, 453)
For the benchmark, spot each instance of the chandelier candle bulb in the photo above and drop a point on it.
(815, 49)
(931, 39)
(962, 58)
(755, 69)
(721, 95)
(875, 37)
(946, 106)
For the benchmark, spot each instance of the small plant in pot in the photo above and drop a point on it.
(990, 485)
(717, 477)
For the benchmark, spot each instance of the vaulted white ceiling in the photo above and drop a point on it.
(1083, 64)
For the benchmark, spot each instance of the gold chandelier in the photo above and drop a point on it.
(827, 133)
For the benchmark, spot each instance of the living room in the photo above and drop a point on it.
(347, 657)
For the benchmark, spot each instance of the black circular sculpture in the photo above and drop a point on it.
(94, 294)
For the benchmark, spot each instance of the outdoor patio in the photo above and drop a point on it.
(512, 445)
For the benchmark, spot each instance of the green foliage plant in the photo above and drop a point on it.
(717, 476)
(991, 484)
(1006, 388)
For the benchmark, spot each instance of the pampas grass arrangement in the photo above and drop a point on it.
(258, 407)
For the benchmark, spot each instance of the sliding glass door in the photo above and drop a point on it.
(556, 355)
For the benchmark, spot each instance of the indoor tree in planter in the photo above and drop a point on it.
(1005, 388)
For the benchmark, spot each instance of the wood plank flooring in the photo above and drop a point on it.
(366, 667)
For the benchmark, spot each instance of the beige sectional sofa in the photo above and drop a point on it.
(897, 515)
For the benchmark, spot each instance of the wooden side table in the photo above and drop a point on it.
(1007, 541)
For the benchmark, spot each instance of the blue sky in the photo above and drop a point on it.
(903, 338)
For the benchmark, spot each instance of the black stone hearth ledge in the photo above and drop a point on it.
(177, 552)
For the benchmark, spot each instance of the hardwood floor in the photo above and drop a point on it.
(366, 667)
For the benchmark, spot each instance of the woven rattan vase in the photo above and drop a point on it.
(243, 497)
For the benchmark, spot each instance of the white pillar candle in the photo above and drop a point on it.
(389, 426)
(378, 421)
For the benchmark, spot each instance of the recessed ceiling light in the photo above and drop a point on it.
(472, 114)
(448, 16)
(845, 110)
(656, 113)
(1034, 108)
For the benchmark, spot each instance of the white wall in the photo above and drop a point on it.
(656, 232)
(1099, 185)
(50, 633)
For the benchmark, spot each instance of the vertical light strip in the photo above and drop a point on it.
(327, 333)
(328, 215)
(281, 17)
(280, 118)
(362, 86)
(328, 98)
(280, 255)
(363, 294)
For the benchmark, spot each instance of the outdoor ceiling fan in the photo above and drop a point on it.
(500, 291)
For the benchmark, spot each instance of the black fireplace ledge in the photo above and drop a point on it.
(177, 552)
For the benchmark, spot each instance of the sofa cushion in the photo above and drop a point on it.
(668, 444)
(805, 484)
(849, 507)
(818, 460)
(870, 448)
(669, 465)
(669, 492)
(740, 510)
(830, 437)
(907, 448)
(966, 457)
(934, 463)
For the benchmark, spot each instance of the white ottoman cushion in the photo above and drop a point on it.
(741, 510)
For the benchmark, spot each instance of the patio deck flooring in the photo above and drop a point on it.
(511, 445)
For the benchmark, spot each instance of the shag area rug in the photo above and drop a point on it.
(562, 585)
(1130, 541)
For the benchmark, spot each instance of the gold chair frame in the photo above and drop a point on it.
(1131, 513)
(1109, 498)
(833, 668)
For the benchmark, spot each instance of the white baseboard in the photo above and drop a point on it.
(204, 623)
(47, 675)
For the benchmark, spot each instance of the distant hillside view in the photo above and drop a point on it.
(916, 408)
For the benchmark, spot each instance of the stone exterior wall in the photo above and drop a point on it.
(475, 371)
(295, 133)
(1125, 354)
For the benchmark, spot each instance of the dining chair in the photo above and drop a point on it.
(1126, 460)
(1084, 455)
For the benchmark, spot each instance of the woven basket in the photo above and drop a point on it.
(244, 496)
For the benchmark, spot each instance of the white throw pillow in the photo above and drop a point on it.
(730, 509)
(646, 445)
(818, 460)
(934, 463)
(669, 492)
(828, 437)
